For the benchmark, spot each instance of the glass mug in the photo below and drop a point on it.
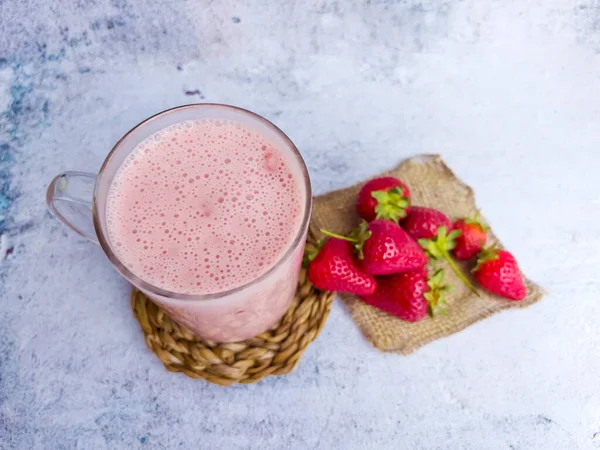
(79, 200)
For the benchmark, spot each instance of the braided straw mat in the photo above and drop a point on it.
(274, 352)
(434, 185)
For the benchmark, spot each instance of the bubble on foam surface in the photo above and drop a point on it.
(198, 199)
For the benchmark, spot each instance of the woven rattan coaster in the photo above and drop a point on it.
(274, 352)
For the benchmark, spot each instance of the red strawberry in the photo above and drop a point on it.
(497, 272)
(472, 239)
(423, 223)
(384, 248)
(409, 295)
(383, 198)
(333, 269)
(388, 249)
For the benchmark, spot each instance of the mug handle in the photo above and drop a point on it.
(69, 198)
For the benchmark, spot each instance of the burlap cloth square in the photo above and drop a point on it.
(434, 185)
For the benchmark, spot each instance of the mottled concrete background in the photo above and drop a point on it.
(507, 91)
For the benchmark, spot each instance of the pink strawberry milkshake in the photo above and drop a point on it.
(208, 206)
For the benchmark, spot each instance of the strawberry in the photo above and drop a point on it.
(384, 248)
(332, 268)
(440, 246)
(423, 223)
(388, 249)
(383, 198)
(409, 295)
(472, 239)
(497, 272)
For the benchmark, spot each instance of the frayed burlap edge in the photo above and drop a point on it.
(434, 185)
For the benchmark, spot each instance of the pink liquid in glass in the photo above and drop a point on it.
(207, 206)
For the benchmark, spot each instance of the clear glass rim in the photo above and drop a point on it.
(177, 296)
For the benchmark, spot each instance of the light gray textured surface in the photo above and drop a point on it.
(507, 91)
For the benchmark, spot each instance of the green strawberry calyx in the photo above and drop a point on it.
(436, 296)
(476, 220)
(439, 248)
(441, 243)
(311, 251)
(486, 255)
(391, 204)
(358, 237)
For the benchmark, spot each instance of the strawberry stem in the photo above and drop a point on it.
(459, 274)
(338, 236)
